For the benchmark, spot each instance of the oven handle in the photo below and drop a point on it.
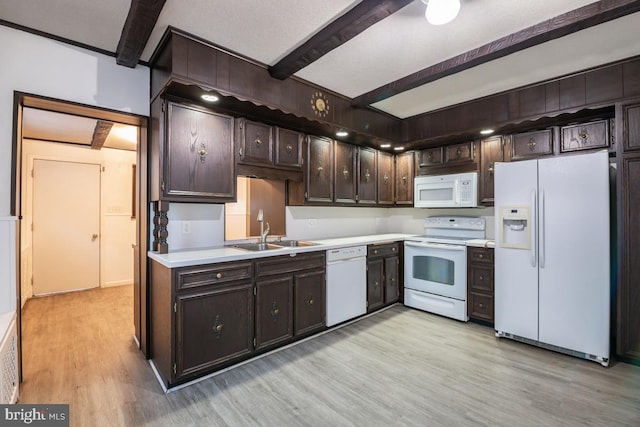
(437, 246)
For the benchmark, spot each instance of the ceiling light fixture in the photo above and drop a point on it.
(486, 131)
(440, 12)
(398, 148)
(385, 145)
(209, 97)
(342, 133)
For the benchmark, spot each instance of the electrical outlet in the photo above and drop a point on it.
(312, 222)
(186, 227)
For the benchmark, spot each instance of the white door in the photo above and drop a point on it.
(574, 252)
(516, 270)
(66, 226)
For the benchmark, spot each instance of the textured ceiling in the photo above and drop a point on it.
(389, 50)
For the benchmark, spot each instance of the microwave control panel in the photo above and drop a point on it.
(466, 190)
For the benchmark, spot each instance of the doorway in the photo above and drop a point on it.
(78, 199)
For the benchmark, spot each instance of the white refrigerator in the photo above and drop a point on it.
(552, 266)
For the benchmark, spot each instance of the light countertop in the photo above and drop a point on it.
(186, 258)
(481, 243)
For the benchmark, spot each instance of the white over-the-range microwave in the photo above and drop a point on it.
(446, 191)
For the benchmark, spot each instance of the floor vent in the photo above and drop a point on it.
(9, 366)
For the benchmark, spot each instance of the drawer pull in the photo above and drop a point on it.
(219, 276)
(531, 144)
(375, 251)
(480, 305)
(393, 249)
(310, 301)
(480, 255)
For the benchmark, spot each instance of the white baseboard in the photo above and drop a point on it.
(117, 283)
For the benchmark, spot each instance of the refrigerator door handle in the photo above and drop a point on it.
(542, 229)
(534, 212)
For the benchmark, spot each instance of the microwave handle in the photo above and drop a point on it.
(456, 196)
(436, 246)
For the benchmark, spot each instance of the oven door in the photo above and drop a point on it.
(436, 268)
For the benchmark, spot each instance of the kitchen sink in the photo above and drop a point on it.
(295, 243)
(257, 246)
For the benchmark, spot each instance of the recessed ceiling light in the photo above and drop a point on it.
(385, 145)
(342, 133)
(398, 148)
(209, 97)
(486, 131)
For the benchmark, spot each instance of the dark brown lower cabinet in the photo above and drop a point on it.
(383, 275)
(309, 291)
(213, 327)
(274, 311)
(206, 317)
(480, 282)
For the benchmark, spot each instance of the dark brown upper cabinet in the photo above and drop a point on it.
(584, 136)
(367, 172)
(386, 179)
(404, 174)
(254, 143)
(345, 173)
(288, 148)
(459, 153)
(319, 170)
(193, 154)
(430, 157)
(491, 151)
(533, 144)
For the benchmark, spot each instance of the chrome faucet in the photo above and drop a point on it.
(263, 232)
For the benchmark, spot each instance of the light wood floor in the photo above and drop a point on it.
(398, 367)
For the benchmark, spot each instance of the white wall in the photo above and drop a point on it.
(194, 225)
(117, 228)
(40, 66)
(310, 222)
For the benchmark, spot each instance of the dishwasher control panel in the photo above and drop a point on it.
(346, 253)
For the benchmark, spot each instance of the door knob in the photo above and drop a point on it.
(94, 237)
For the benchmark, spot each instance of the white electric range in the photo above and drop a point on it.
(435, 265)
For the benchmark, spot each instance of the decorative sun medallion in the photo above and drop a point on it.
(320, 104)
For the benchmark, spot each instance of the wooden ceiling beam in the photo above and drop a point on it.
(562, 25)
(142, 18)
(338, 32)
(100, 134)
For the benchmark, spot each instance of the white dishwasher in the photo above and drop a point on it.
(346, 284)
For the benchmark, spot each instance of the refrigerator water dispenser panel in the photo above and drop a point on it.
(515, 229)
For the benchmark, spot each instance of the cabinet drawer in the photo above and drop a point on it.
(484, 255)
(481, 306)
(430, 157)
(192, 277)
(459, 153)
(585, 136)
(531, 144)
(382, 250)
(289, 263)
(481, 278)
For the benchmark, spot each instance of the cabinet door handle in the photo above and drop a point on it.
(405, 179)
(386, 178)
(481, 278)
(202, 153)
(480, 256)
(320, 169)
(258, 141)
(393, 249)
(288, 147)
(240, 152)
(310, 301)
(275, 311)
(375, 284)
(490, 170)
(367, 175)
(345, 172)
(480, 305)
(217, 327)
(219, 276)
